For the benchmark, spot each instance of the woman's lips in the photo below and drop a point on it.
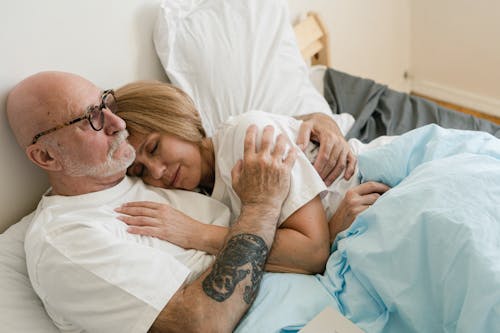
(176, 178)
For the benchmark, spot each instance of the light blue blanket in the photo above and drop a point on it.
(424, 258)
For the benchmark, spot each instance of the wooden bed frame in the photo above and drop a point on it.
(312, 39)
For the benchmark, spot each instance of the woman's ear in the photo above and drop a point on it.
(43, 157)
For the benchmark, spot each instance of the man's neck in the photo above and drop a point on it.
(70, 186)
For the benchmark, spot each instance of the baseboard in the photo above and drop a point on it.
(459, 97)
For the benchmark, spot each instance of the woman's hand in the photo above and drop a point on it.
(334, 154)
(161, 221)
(356, 200)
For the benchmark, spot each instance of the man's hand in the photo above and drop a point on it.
(356, 200)
(334, 154)
(263, 177)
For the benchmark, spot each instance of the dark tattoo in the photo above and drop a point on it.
(244, 254)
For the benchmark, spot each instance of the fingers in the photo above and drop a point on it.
(323, 159)
(268, 145)
(145, 231)
(371, 187)
(266, 142)
(281, 146)
(236, 172)
(139, 221)
(351, 165)
(369, 199)
(250, 138)
(263, 176)
(332, 158)
(137, 210)
(338, 168)
(145, 204)
(304, 135)
(358, 210)
(291, 158)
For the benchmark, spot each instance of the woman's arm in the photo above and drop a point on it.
(301, 244)
(162, 221)
(302, 240)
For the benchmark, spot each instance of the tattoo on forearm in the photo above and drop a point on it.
(244, 254)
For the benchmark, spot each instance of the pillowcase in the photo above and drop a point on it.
(20, 308)
(232, 56)
(317, 74)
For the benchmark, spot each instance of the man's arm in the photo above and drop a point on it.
(334, 154)
(216, 301)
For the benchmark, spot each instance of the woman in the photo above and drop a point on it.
(174, 152)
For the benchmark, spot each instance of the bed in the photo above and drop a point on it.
(376, 110)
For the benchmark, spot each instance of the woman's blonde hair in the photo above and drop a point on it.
(153, 106)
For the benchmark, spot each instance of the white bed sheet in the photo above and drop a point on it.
(20, 308)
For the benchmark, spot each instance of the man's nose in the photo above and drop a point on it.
(112, 122)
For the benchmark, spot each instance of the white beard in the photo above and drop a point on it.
(108, 168)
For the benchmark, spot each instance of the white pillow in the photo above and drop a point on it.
(316, 75)
(20, 308)
(232, 56)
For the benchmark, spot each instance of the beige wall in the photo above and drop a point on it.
(456, 51)
(451, 48)
(367, 38)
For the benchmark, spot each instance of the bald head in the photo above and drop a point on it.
(45, 100)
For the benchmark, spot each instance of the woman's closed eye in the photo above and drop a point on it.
(152, 147)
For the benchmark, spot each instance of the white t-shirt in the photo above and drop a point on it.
(305, 182)
(94, 276)
(229, 147)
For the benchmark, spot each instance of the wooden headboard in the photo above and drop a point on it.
(312, 38)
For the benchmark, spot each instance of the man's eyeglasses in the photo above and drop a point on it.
(93, 114)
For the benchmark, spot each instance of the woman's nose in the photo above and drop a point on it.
(156, 169)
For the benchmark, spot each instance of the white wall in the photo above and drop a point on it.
(367, 38)
(107, 41)
(456, 51)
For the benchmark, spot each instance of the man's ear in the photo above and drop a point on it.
(43, 157)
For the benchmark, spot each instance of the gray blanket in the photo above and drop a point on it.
(379, 110)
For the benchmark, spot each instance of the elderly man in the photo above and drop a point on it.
(92, 275)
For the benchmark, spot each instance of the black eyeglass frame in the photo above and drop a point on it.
(87, 115)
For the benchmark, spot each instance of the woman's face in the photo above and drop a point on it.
(166, 161)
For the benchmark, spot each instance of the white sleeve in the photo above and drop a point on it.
(305, 181)
(103, 284)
